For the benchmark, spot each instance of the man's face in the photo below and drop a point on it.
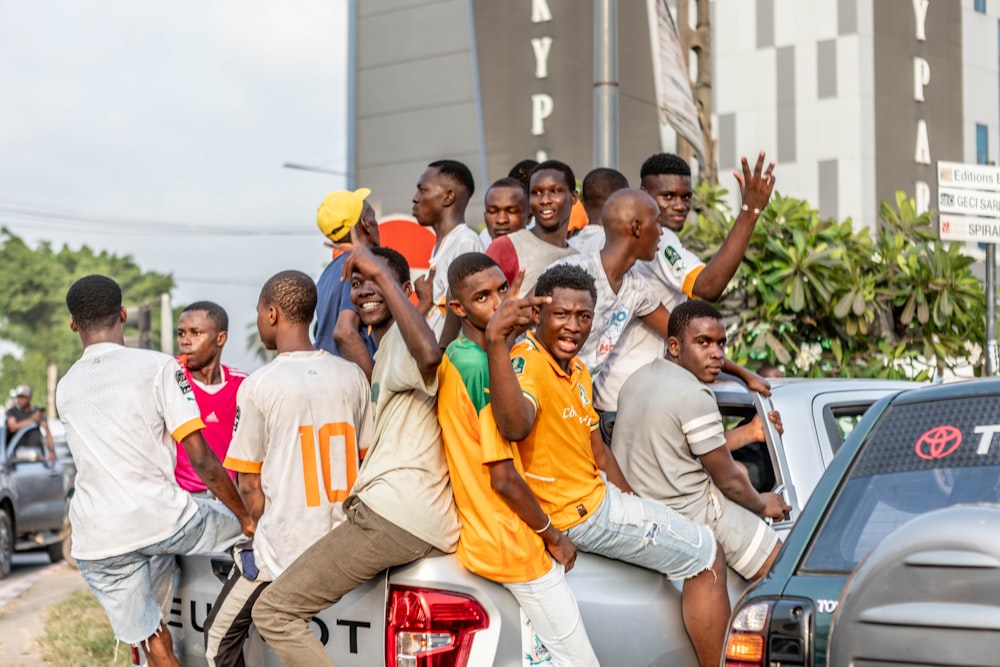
(429, 199)
(24, 402)
(198, 338)
(367, 296)
(649, 231)
(266, 326)
(565, 322)
(480, 296)
(673, 195)
(701, 348)
(552, 199)
(506, 211)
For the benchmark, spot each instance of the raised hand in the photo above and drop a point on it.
(515, 314)
(361, 258)
(424, 286)
(755, 187)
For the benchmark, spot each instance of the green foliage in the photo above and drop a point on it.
(826, 300)
(33, 311)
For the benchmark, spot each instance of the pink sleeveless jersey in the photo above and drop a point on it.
(218, 411)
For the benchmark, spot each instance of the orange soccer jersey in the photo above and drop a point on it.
(494, 542)
(559, 463)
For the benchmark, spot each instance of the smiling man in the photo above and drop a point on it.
(552, 195)
(675, 450)
(541, 399)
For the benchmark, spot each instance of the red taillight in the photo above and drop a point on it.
(745, 639)
(431, 628)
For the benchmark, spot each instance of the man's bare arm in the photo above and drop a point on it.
(347, 336)
(248, 484)
(607, 462)
(209, 468)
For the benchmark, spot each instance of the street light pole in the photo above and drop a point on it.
(606, 83)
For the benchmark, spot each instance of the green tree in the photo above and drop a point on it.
(33, 311)
(823, 299)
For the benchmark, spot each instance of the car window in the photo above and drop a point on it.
(840, 420)
(754, 456)
(919, 457)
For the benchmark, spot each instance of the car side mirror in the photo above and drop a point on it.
(27, 455)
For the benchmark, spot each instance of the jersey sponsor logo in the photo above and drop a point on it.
(583, 394)
(236, 420)
(183, 383)
(674, 258)
(518, 364)
(212, 418)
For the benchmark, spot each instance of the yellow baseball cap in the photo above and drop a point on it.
(340, 211)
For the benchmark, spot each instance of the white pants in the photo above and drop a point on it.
(550, 605)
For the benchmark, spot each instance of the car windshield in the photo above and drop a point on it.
(920, 457)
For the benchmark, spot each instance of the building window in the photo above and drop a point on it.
(980, 6)
(982, 144)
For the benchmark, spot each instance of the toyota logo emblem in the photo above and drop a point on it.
(938, 442)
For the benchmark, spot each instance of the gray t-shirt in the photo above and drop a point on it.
(667, 418)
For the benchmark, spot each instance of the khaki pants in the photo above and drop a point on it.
(343, 559)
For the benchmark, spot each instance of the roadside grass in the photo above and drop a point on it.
(77, 634)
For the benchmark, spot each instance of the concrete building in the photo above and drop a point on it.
(854, 99)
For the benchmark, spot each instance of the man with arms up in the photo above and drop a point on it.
(302, 424)
(338, 328)
(123, 409)
(24, 414)
(541, 399)
(505, 536)
(443, 193)
(202, 332)
(401, 507)
(675, 450)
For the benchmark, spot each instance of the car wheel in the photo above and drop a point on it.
(6, 543)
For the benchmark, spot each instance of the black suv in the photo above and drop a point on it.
(912, 454)
(34, 501)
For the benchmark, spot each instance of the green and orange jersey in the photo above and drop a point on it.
(494, 542)
(559, 464)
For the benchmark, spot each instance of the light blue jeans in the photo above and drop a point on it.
(647, 533)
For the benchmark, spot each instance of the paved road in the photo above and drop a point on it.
(31, 588)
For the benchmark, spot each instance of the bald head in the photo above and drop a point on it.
(625, 207)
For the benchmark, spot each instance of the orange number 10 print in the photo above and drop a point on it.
(343, 433)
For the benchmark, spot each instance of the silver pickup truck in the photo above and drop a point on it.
(434, 613)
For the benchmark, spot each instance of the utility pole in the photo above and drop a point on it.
(699, 40)
(606, 83)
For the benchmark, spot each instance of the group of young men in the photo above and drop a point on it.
(479, 420)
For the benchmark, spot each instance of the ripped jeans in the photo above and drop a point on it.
(646, 533)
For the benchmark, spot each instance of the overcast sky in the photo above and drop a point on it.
(158, 130)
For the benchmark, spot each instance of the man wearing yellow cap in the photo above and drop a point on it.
(338, 328)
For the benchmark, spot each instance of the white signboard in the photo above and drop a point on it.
(961, 228)
(969, 176)
(969, 202)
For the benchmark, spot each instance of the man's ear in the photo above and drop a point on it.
(673, 346)
(124, 315)
(456, 307)
(407, 288)
(221, 338)
(271, 313)
(72, 325)
(575, 196)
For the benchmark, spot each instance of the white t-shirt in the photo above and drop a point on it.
(123, 410)
(458, 241)
(404, 478)
(589, 239)
(612, 311)
(302, 423)
(671, 275)
(485, 239)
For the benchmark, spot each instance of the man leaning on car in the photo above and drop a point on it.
(22, 415)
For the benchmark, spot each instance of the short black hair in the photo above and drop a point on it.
(561, 167)
(693, 309)
(215, 312)
(396, 262)
(95, 302)
(294, 293)
(465, 265)
(508, 182)
(664, 163)
(456, 171)
(567, 276)
(522, 171)
(601, 183)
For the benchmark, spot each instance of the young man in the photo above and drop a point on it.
(630, 224)
(674, 448)
(506, 210)
(338, 328)
(123, 409)
(443, 193)
(401, 508)
(552, 195)
(675, 273)
(598, 185)
(202, 332)
(541, 399)
(505, 536)
(303, 423)
(23, 414)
